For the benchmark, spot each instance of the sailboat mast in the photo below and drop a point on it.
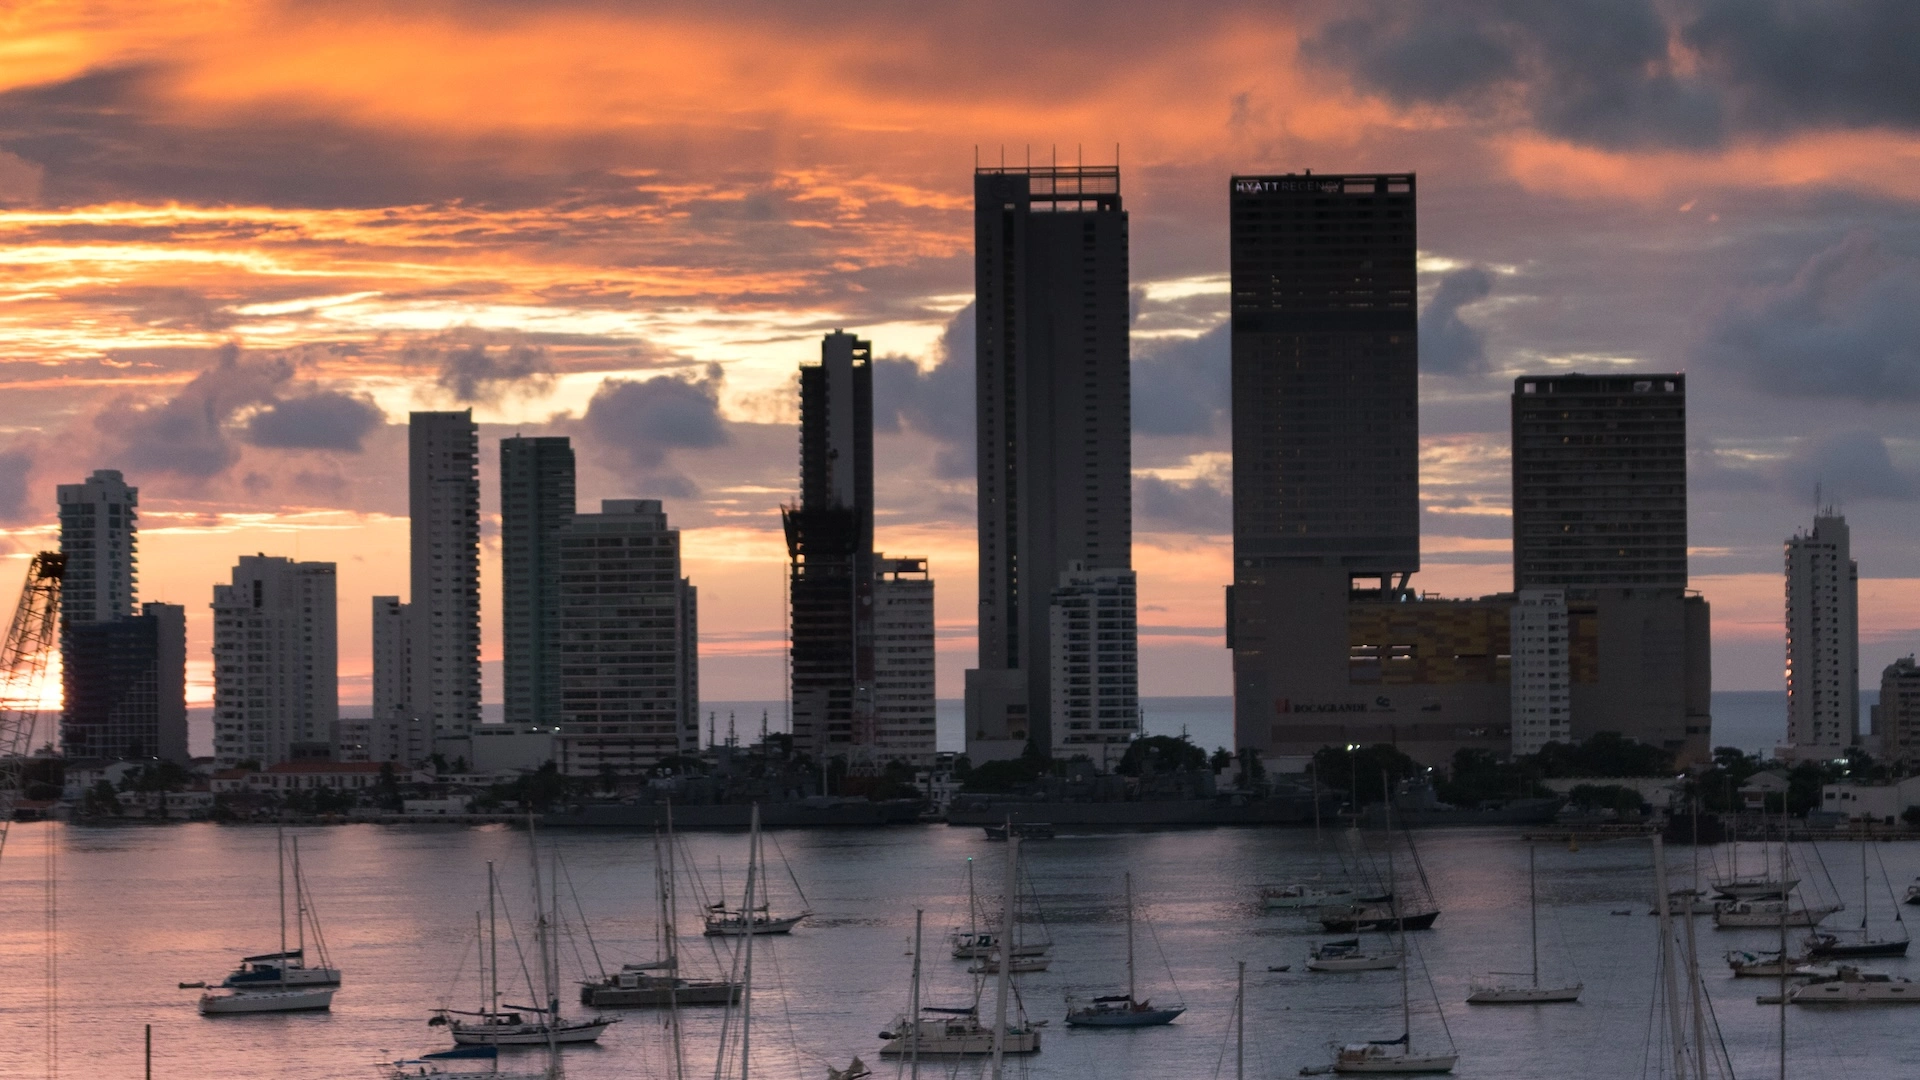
(480, 949)
(280, 854)
(1130, 938)
(1006, 954)
(1400, 924)
(300, 899)
(913, 1016)
(746, 990)
(1533, 909)
(1240, 1023)
(973, 908)
(1664, 900)
(1785, 906)
(493, 944)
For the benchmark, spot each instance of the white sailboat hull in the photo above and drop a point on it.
(266, 1001)
(1372, 962)
(734, 927)
(1524, 995)
(568, 1032)
(1767, 915)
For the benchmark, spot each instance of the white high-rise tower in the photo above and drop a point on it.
(1823, 641)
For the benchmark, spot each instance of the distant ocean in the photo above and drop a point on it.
(1752, 720)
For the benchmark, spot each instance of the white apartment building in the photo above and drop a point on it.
(1094, 646)
(903, 661)
(1823, 642)
(1540, 671)
(98, 537)
(275, 661)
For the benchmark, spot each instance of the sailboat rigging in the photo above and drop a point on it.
(1124, 1010)
(1397, 1055)
(281, 981)
(1315, 892)
(1830, 946)
(1498, 992)
(495, 1024)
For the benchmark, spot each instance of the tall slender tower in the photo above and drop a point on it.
(536, 502)
(830, 553)
(1326, 430)
(1053, 418)
(443, 498)
(1823, 640)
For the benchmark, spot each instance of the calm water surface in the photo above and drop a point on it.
(142, 908)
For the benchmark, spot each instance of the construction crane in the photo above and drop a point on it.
(23, 671)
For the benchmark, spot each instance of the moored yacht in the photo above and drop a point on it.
(1852, 986)
(954, 1031)
(1347, 955)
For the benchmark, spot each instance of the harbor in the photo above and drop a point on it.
(143, 909)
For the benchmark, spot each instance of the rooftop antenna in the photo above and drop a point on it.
(1029, 157)
(1079, 155)
(976, 157)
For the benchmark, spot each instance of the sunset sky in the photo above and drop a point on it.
(240, 240)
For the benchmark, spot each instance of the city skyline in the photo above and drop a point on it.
(243, 342)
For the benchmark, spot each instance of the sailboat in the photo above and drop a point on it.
(1314, 893)
(1123, 1010)
(1396, 1055)
(495, 1025)
(1499, 992)
(1737, 886)
(958, 1031)
(280, 981)
(658, 984)
(1832, 947)
(1348, 954)
(974, 943)
(724, 921)
(1027, 957)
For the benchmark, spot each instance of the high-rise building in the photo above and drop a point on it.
(830, 554)
(276, 691)
(1600, 482)
(1823, 641)
(1541, 672)
(395, 732)
(1896, 719)
(1326, 453)
(1600, 512)
(1053, 417)
(903, 661)
(443, 499)
(536, 502)
(98, 536)
(127, 686)
(629, 642)
(1096, 704)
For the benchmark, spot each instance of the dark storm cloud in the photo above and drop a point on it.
(1850, 465)
(1181, 386)
(643, 421)
(1449, 346)
(937, 402)
(1847, 325)
(320, 420)
(1601, 72)
(187, 433)
(475, 373)
(1196, 506)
